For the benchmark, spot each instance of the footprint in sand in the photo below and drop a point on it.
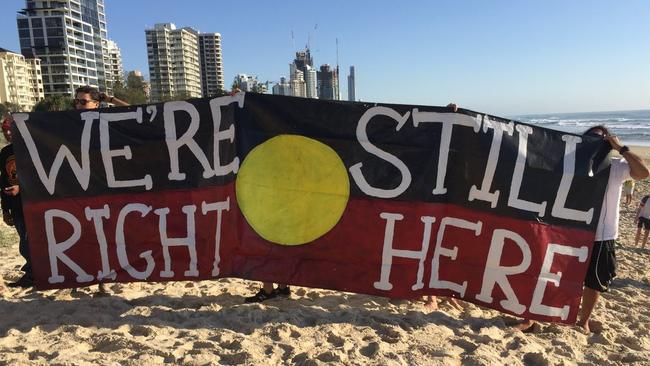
(329, 356)
(199, 345)
(370, 350)
(535, 359)
(235, 358)
(389, 334)
(335, 340)
(140, 330)
(36, 355)
(231, 345)
(466, 345)
(630, 342)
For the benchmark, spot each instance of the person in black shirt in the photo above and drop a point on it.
(12, 208)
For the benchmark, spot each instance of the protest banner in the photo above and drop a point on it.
(390, 200)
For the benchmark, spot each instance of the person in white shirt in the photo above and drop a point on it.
(602, 265)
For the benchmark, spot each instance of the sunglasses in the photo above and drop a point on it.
(83, 101)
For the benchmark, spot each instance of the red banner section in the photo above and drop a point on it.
(381, 247)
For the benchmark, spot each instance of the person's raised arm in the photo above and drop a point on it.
(638, 169)
(116, 101)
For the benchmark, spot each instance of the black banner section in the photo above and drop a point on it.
(399, 152)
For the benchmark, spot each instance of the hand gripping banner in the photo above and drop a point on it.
(389, 200)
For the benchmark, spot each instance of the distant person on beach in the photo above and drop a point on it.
(12, 208)
(628, 191)
(87, 97)
(602, 265)
(643, 221)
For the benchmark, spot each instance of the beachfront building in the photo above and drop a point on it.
(114, 67)
(328, 83)
(282, 88)
(174, 66)
(21, 81)
(351, 85)
(212, 80)
(70, 39)
(296, 82)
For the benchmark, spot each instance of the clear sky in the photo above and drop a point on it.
(498, 57)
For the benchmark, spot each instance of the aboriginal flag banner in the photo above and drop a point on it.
(391, 200)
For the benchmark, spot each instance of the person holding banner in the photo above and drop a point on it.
(87, 97)
(602, 265)
(12, 208)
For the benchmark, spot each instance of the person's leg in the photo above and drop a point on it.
(645, 238)
(283, 290)
(638, 234)
(431, 302)
(589, 299)
(23, 246)
(268, 287)
(265, 293)
(602, 268)
(102, 290)
(27, 280)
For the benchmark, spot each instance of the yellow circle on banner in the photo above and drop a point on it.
(292, 189)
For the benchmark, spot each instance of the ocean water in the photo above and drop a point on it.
(632, 127)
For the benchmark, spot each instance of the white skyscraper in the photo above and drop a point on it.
(114, 68)
(70, 39)
(311, 82)
(211, 63)
(174, 67)
(351, 85)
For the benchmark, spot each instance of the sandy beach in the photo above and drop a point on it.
(205, 323)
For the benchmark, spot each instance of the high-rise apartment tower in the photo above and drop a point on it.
(174, 66)
(70, 39)
(212, 80)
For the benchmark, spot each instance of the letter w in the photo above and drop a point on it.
(81, 171)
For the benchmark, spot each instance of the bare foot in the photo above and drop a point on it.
(583, 327)
(431, 303)
(528, 326)
(592, 326)
(455, 303)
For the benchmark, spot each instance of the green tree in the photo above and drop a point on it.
(175, 96)
(219, 93)
(8, 107)
(54, 103)
(134, 90)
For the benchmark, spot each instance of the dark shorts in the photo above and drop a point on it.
(644, 222)
(602, 266)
